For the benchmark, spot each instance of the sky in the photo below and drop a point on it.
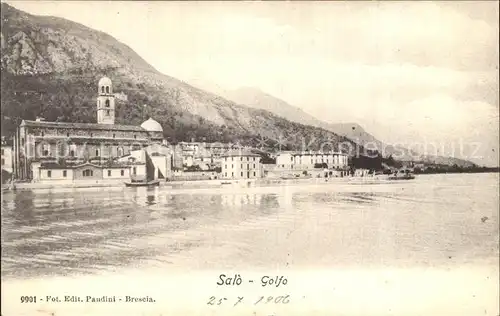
(408, 72)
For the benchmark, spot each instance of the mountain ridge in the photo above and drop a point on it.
(50, 67)
(258, 99)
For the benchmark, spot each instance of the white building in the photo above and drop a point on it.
(201, 154)
(307, 160)
(241, 164)
(156, 157)
(6, 156)
(58, 173)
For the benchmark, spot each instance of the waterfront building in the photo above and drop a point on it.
(40, 145)
(241, 164)
(7, 160)
(308, 160)
(156, 157)
(204, 155)
(6, 155)
(62, 173)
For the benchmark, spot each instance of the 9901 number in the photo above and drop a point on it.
(28, 299)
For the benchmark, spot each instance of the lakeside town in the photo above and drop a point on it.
(104, 153)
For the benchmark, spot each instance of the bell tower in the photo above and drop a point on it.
(105, 102)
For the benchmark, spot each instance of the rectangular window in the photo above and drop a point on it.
(135, 171)
(225, 174)
(254, 166)
(114, 135)
(241, 166)
(122, 172)
(65, 173)
(232, 174)
(67, 134)
(242, 174)
(72, 153)
(254, 173)
(49, 173)
(97, 152)
(109, 173)
(3, 151)
(3, 161)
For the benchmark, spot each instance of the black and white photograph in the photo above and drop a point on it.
(253, 158)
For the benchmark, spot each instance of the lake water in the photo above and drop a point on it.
(434, 220)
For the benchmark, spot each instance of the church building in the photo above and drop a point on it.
(76, 151)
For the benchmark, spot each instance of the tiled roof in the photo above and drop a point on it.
(238, 153)
(310, 154)
(95, 126)
(55, 165)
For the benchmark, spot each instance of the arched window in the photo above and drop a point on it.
(102, 89)
(88, 173)
(120, 152)
(107, 112)
(107, 89)
(107, 103)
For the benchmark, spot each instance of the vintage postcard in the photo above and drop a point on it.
(250, 158)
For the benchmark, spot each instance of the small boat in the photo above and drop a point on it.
(142, 183)
(289, 177)
(226, 182)
(404, 174)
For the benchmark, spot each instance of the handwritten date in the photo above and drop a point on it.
(284, 299)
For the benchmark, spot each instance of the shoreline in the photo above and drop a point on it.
(180, 184)
(207, 184)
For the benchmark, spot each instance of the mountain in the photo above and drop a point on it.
(50, 68)
(260, 100)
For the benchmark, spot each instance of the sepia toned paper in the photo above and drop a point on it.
(250, 158)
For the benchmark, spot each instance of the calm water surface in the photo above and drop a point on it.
(433, 220)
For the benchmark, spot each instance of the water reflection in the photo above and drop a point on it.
(87, 230)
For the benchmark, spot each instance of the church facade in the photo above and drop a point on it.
(43, 149)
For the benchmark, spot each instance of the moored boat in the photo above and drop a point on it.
(142, 183)
(403, 174)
